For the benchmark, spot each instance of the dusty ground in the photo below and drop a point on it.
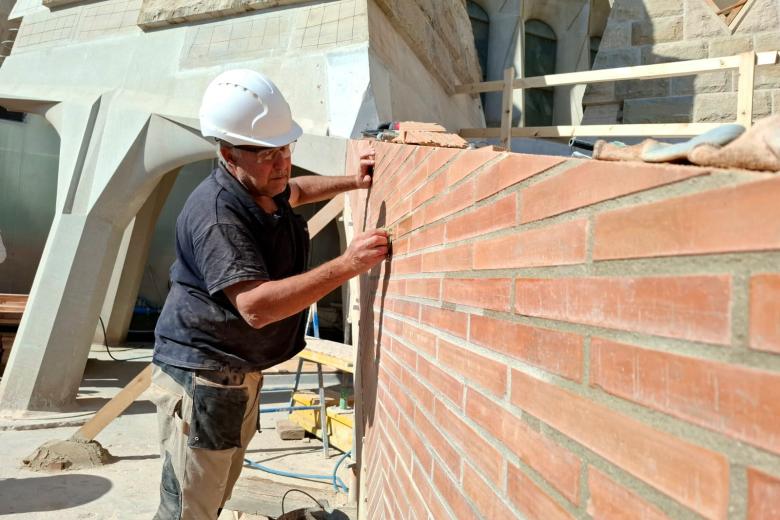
(128, 488)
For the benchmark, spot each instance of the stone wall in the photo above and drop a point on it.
(8, 30)
(552, 340)
(643, 32)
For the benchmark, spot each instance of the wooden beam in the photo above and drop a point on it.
(659, 70)
(506, 109)
(747, 74)
(114, 408)
(328, 212)
(658, 130)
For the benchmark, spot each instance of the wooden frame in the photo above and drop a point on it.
(745, 63)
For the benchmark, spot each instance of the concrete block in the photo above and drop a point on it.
(730, 46)
(720, 81)
(767, 78)
(722, 107)
(657, 30)
(761, 17)
(674, 109)
(767, 42)
(617, 35)
(599, 93)
(289, 431)
(667, 52)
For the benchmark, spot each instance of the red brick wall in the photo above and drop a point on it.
(564, 339)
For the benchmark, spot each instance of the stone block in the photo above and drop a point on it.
(767, 42)
(602, 114)
(730, 46)
(722, 107)
(657, 30)
(617, 35)
(720, 81)
(767, 77)
(599, 93)
(611, 58)
(701, 21)
(628, 10)
(648, 88)
(675, 109)
(658, 8)
(289, 431)
(761, 17)
(677, 51)
(776, 101)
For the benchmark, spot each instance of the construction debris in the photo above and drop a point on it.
(426, 138)
(68, 454)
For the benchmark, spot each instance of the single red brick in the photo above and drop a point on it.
(736, 401)
(688, 307)
(551, 350)
(763, 496)
(696, 477)
(491, 217)
(452, 495)
(483, 496)
(558, 244)
(486, 293)
(417, 444)
(406, 265)
(596, 181)
(457, 258)
(441, 381)
(490, 460)
(611, 501)
(394, 164)
(451, 202)
(422, 340)
(430, 236)
(408, 309)
(468, 161)
(716, 221)
(404, 354)
(434, 186)
(450, 321)
(530, 499)
(476, 368)
(439, 158)
(765, 312)
(555, 464)
(422, 396)
(516, 167)
(399, 211)
(429, 288)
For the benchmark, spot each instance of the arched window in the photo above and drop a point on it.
(480, 25)
(539, 60)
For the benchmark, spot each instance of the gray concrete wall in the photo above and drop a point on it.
(643, 32)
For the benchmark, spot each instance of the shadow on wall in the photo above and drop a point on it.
(35, 494)
(369, 364)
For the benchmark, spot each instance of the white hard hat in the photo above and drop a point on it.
(244, 107)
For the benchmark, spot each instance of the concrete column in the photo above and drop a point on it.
(117, 310)
(113, 155)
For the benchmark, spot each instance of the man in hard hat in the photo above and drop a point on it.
(239, 289)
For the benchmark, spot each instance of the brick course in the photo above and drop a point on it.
(558, 339)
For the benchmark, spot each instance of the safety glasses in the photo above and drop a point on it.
(268, 154)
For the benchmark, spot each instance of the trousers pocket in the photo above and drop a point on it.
(217, 415)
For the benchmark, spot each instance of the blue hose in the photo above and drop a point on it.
(338, 484)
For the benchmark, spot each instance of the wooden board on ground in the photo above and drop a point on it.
(260, 496)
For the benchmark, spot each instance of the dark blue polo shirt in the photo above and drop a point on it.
(224, 237)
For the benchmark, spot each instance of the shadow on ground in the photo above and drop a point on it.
(50, 493)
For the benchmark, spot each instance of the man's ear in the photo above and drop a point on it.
(226, 154)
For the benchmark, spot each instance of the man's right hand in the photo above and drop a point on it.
(366, 250)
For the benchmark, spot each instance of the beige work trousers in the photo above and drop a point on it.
(204, 429)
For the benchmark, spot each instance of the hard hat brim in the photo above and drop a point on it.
(279, 140)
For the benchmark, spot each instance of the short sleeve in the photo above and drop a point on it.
(226, 254)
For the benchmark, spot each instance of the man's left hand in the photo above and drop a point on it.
(364, 177)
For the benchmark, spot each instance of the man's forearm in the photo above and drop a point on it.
(313, 188)
(278, 299)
